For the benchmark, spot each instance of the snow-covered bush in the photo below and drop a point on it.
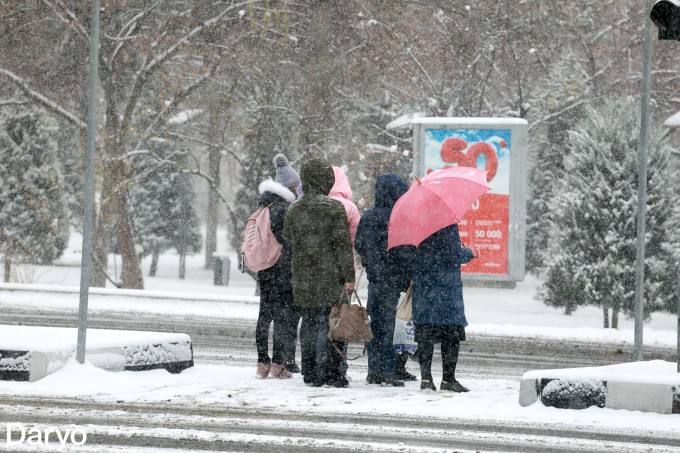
(574, 394)
(592, 248)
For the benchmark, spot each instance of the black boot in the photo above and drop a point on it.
(373, 378)
(427, 385)
(291, 366)
(389, 380)
(453, 386)
(400, 369)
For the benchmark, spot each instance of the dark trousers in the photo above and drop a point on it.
(320, 361)
(276, 306)
(292, 316)
(382, 308)
(450, 347)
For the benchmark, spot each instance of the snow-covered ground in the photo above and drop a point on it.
(499, 312)
(224, 386)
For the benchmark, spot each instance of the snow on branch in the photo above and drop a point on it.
(11, 102)
(174, 102)
(422, 70)
(211, 145)
(556, 114)
(42, 100)
(71, 20)
(126, 32)
(145, 73)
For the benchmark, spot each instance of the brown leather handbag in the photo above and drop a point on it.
(349, 322)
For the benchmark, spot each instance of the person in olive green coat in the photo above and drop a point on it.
(316, 226)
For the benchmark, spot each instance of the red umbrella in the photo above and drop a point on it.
(438, 200)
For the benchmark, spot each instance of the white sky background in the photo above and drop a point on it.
(489, 311)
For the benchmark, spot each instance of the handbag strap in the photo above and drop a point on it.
(349, 295)
(344, 356)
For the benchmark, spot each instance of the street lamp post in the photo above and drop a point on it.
(666, 16)
(642, 186)
(677, 301)
(89, 182)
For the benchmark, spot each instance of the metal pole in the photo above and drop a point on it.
(642, 184)
(89, 182)
(677, 300)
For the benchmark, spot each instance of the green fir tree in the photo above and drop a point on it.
(164, 208)
(33, 218)
(593, 242)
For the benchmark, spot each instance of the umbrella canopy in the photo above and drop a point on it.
(440, 199)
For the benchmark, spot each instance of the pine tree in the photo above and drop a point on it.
(33, 218)
(565, 85)
(593, 238)
(164, 208)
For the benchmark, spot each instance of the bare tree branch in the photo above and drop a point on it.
(126, 32)
(68, 17)
(145, 73)
(557, 114)
(174, 102)
(209, 144)
(43, 100)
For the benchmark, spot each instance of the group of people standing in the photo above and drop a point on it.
(312, 215)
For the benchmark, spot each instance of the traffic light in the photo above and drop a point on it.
(666, 15)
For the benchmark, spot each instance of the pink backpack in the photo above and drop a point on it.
(260, 249)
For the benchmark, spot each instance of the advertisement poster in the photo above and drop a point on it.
(486, 224)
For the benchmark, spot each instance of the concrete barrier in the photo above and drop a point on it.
(651, 386)
(31, 353)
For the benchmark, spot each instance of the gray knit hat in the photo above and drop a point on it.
(285, 175)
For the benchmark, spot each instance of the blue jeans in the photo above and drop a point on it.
(382, 308)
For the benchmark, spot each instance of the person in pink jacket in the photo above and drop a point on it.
(342, 192)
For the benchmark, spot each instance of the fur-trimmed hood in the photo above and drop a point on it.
(269, 185)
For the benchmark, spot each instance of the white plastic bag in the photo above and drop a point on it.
(404, 336)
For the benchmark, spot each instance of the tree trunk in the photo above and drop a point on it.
(182, 264)
(615, 318)
(114, 174)
(101, 240)
(8, 268)
(213, 205)
(154, 264)
(131, 272)
(605, 311)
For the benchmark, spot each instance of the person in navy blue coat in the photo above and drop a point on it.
(438, 309)
(388, 276)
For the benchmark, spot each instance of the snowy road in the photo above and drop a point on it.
(232, 341)
(215, 423)
(167, 426)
